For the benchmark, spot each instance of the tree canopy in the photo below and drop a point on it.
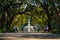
(17, 12)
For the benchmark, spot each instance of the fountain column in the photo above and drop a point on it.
(29, 25)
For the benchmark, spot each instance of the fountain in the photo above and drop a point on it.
(28, 28)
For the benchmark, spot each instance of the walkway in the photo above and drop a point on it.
(30, 36)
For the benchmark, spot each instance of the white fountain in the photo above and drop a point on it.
(29, 28)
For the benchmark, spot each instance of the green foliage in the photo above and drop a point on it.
(39, 13)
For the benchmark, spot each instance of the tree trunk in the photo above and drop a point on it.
(3, 22)
(49, 20)
(49, 23)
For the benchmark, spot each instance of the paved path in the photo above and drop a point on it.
(14, 38)
(30, 36)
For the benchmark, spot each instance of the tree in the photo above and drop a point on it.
(9, 7)
(49, 7)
